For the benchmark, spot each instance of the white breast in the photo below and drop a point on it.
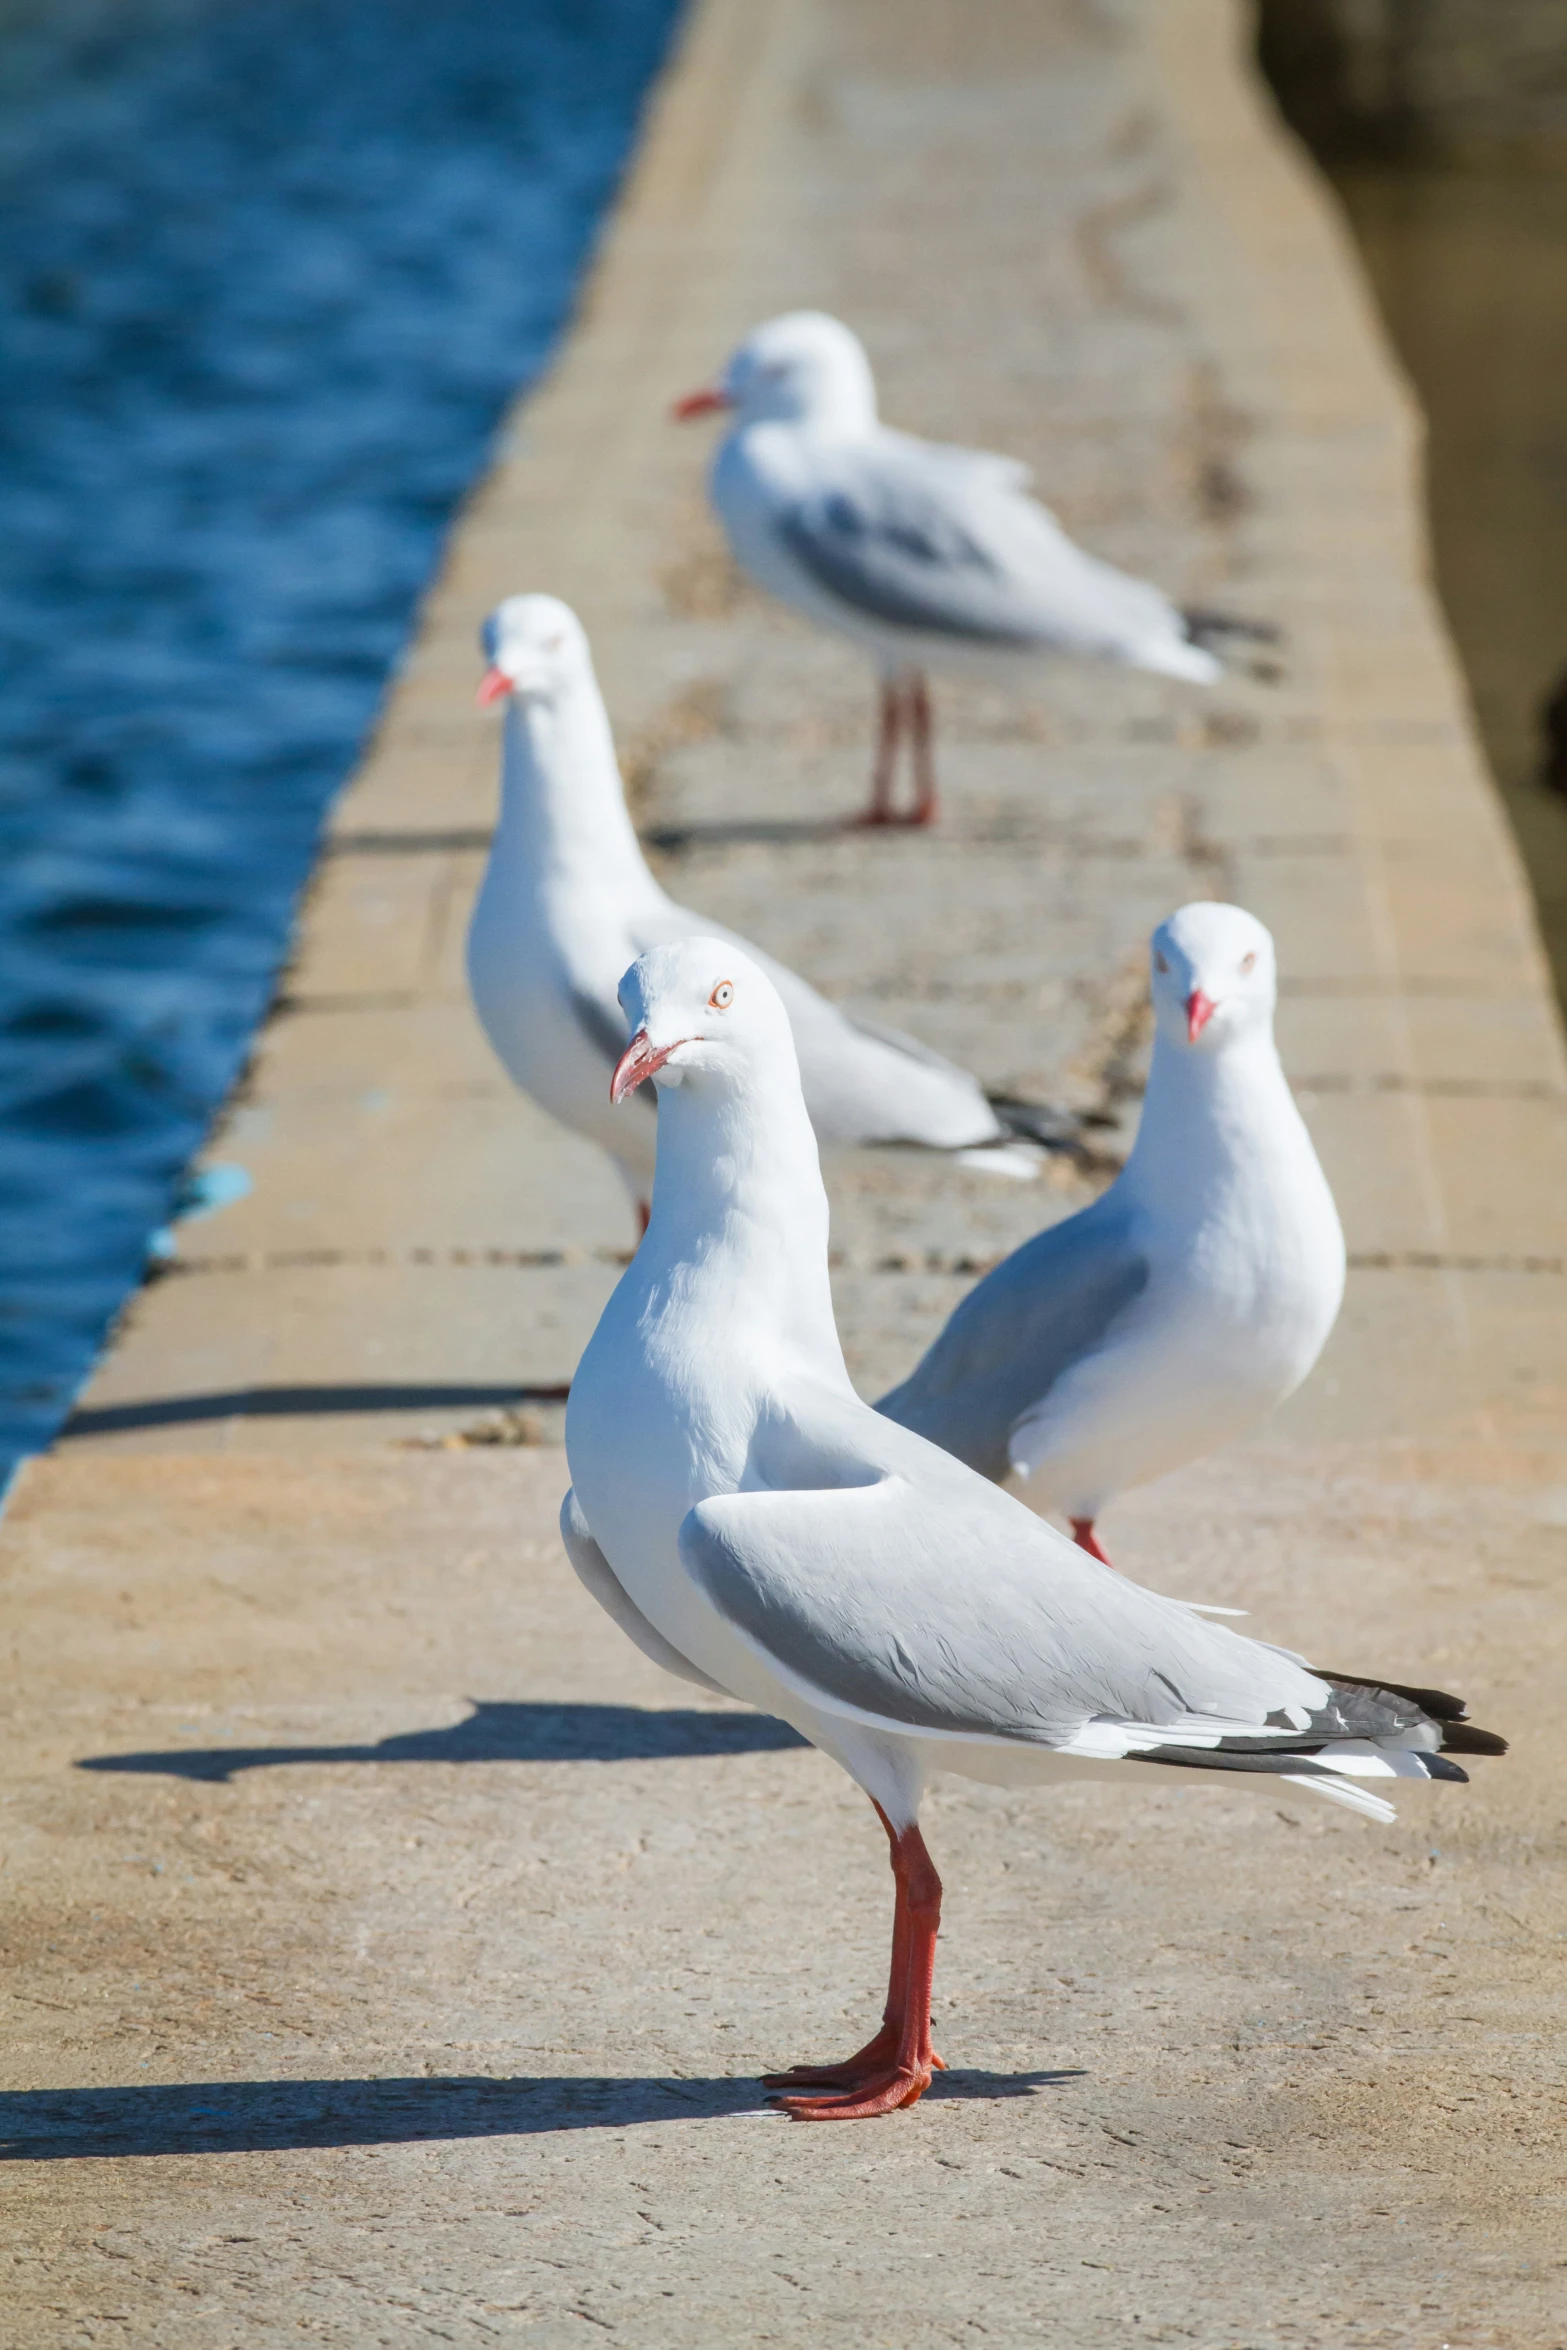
(523, 980)
(1246, 1276)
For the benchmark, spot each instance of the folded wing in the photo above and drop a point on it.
(1047, 1306)
(905, 1608)
(912, 538)
(861, 1084)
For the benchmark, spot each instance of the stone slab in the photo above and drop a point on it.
(392, 1953)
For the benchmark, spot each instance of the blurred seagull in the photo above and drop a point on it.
(567, 902)
(1191, 1298)
(754, 1527)
(203, 1192)
(925, 555)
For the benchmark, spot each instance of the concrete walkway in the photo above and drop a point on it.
(392, 1952)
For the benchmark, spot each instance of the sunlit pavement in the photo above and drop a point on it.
(396, 1952)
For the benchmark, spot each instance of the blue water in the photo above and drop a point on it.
(271, 270)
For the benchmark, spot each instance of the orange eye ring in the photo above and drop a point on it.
(722, 996)
(1249, 962)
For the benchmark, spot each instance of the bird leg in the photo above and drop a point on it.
(893, 2068)
(1086, 1539)
(884, 775)
(883, 2045)
(923, 729)
(905, 707)
(644, 1217)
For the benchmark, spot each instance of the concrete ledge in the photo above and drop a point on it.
(483, 2004)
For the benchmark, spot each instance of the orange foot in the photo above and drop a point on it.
(881, 2091)
(877, 2056)
(900, 819)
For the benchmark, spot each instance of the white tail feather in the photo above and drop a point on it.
(1021, 1161)
(1342, 1791)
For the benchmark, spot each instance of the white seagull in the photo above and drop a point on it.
(567, 902)
(925, 555)
(756, 1528)
(1190, 1299)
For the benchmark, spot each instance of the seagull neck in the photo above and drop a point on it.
(738, 1230)
(563, 811)
(1209, 1119)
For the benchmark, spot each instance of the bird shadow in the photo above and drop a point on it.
(270, 1403)
(738, 832)
(409, 841)
(246, 2117)
(499, 1732)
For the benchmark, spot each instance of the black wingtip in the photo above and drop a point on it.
(1204, 627)
(1437, 1766)
(1464, 1738)
(1042, 1122)
(1449, 1713)
(1440, 1704)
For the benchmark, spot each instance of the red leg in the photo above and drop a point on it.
(895, 2067)
(884, 775)
(923, 728)
(1086, 1539)
(883, 2045)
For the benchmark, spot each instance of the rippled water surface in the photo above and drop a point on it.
(270, 270)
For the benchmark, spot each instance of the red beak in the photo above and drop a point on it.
(494, 686)
(640, 1059)
(709, 401)
(1199, 1011)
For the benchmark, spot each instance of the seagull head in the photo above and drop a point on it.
(1213, 976)
(803, 368)
(535, 646)
(700, 1014)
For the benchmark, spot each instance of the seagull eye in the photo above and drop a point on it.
(1160, 964)
(1249, 962)
(552, 644)
(722, 997)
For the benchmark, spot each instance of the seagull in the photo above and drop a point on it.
(203, 1192)
(756, 1528)
(1187, 1301)
(567, 902)
(925, 555)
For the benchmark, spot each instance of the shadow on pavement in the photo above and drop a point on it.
(236, 2117)
(496, 1733)
(677, 840)
(293, 1403)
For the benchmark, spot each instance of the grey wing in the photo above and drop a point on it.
(1047, 1306)
(908, 535)
(603, 1028)
(898, 1040)
(862, 1083)
(984, 465)
(865, 1083)
(921, 1605)
(594, 1570)
(904, 1607)
(598, 1015)
(901, 551)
